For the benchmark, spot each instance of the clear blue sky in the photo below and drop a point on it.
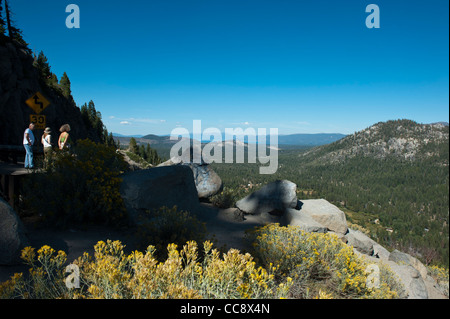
(299, 66)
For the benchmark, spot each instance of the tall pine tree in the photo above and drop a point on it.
(133, 146)
(2, 22)
(64, 83)
(42, 65)
(8, 18)
(14, 33)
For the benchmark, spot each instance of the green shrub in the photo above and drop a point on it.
(80, 186)
(227, 197)
(224, 199)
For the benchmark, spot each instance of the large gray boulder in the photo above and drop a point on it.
(325, 214)
(273, 197)
(153, 188)
(380, 252)
(411, 279)
(206, 180)
(406, 259)
(294, 217)
(365, 245)
(12, 235)
(360, 241)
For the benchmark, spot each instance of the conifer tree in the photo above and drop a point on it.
(96, 119)
(14, 32)
(8, 18)
(42, 65)
(65, 85)
(133, 146)
(2, 22)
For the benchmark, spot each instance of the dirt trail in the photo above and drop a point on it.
(225, 226)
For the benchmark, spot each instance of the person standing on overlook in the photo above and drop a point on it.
(28, 141)
(63, 140)
(46, 141)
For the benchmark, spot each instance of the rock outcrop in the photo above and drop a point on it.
(206, 180)
(406, 259)
(360, 242)
(325, 214)
(12, 235)
(275, 198)
(295, 218)
(145, 190)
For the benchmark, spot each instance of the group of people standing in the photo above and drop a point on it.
(46, 140)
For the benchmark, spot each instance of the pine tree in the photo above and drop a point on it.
(133, 146)
(8, 18)
(141, 152)
(93, 121)
(42, 65)
(96, 120)
(65, 85)
(148, 153)
(85, 115)
(14, 32)
(2, 22)
(110, 140)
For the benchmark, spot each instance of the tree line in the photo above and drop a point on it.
(145, 152)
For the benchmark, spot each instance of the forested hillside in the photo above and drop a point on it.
(393, 174)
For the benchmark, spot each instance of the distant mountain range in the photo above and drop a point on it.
(300, 139)
(309, 139)
(292, 139)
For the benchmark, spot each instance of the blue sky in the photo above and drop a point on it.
(300, 66)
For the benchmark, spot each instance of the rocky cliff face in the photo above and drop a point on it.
(19, 81)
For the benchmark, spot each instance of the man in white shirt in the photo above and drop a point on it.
(28, 141)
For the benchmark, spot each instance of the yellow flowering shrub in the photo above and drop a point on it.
(78, 186)
(46, 276)
(321, 265)
(110, 273)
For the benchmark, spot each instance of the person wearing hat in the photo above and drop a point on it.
(46, 140)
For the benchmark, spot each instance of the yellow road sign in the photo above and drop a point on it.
(37, 102)
(38, 120)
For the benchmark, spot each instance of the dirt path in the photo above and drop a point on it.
(226, 227)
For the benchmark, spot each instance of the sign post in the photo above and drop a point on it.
(37, 102)
(38, 120)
